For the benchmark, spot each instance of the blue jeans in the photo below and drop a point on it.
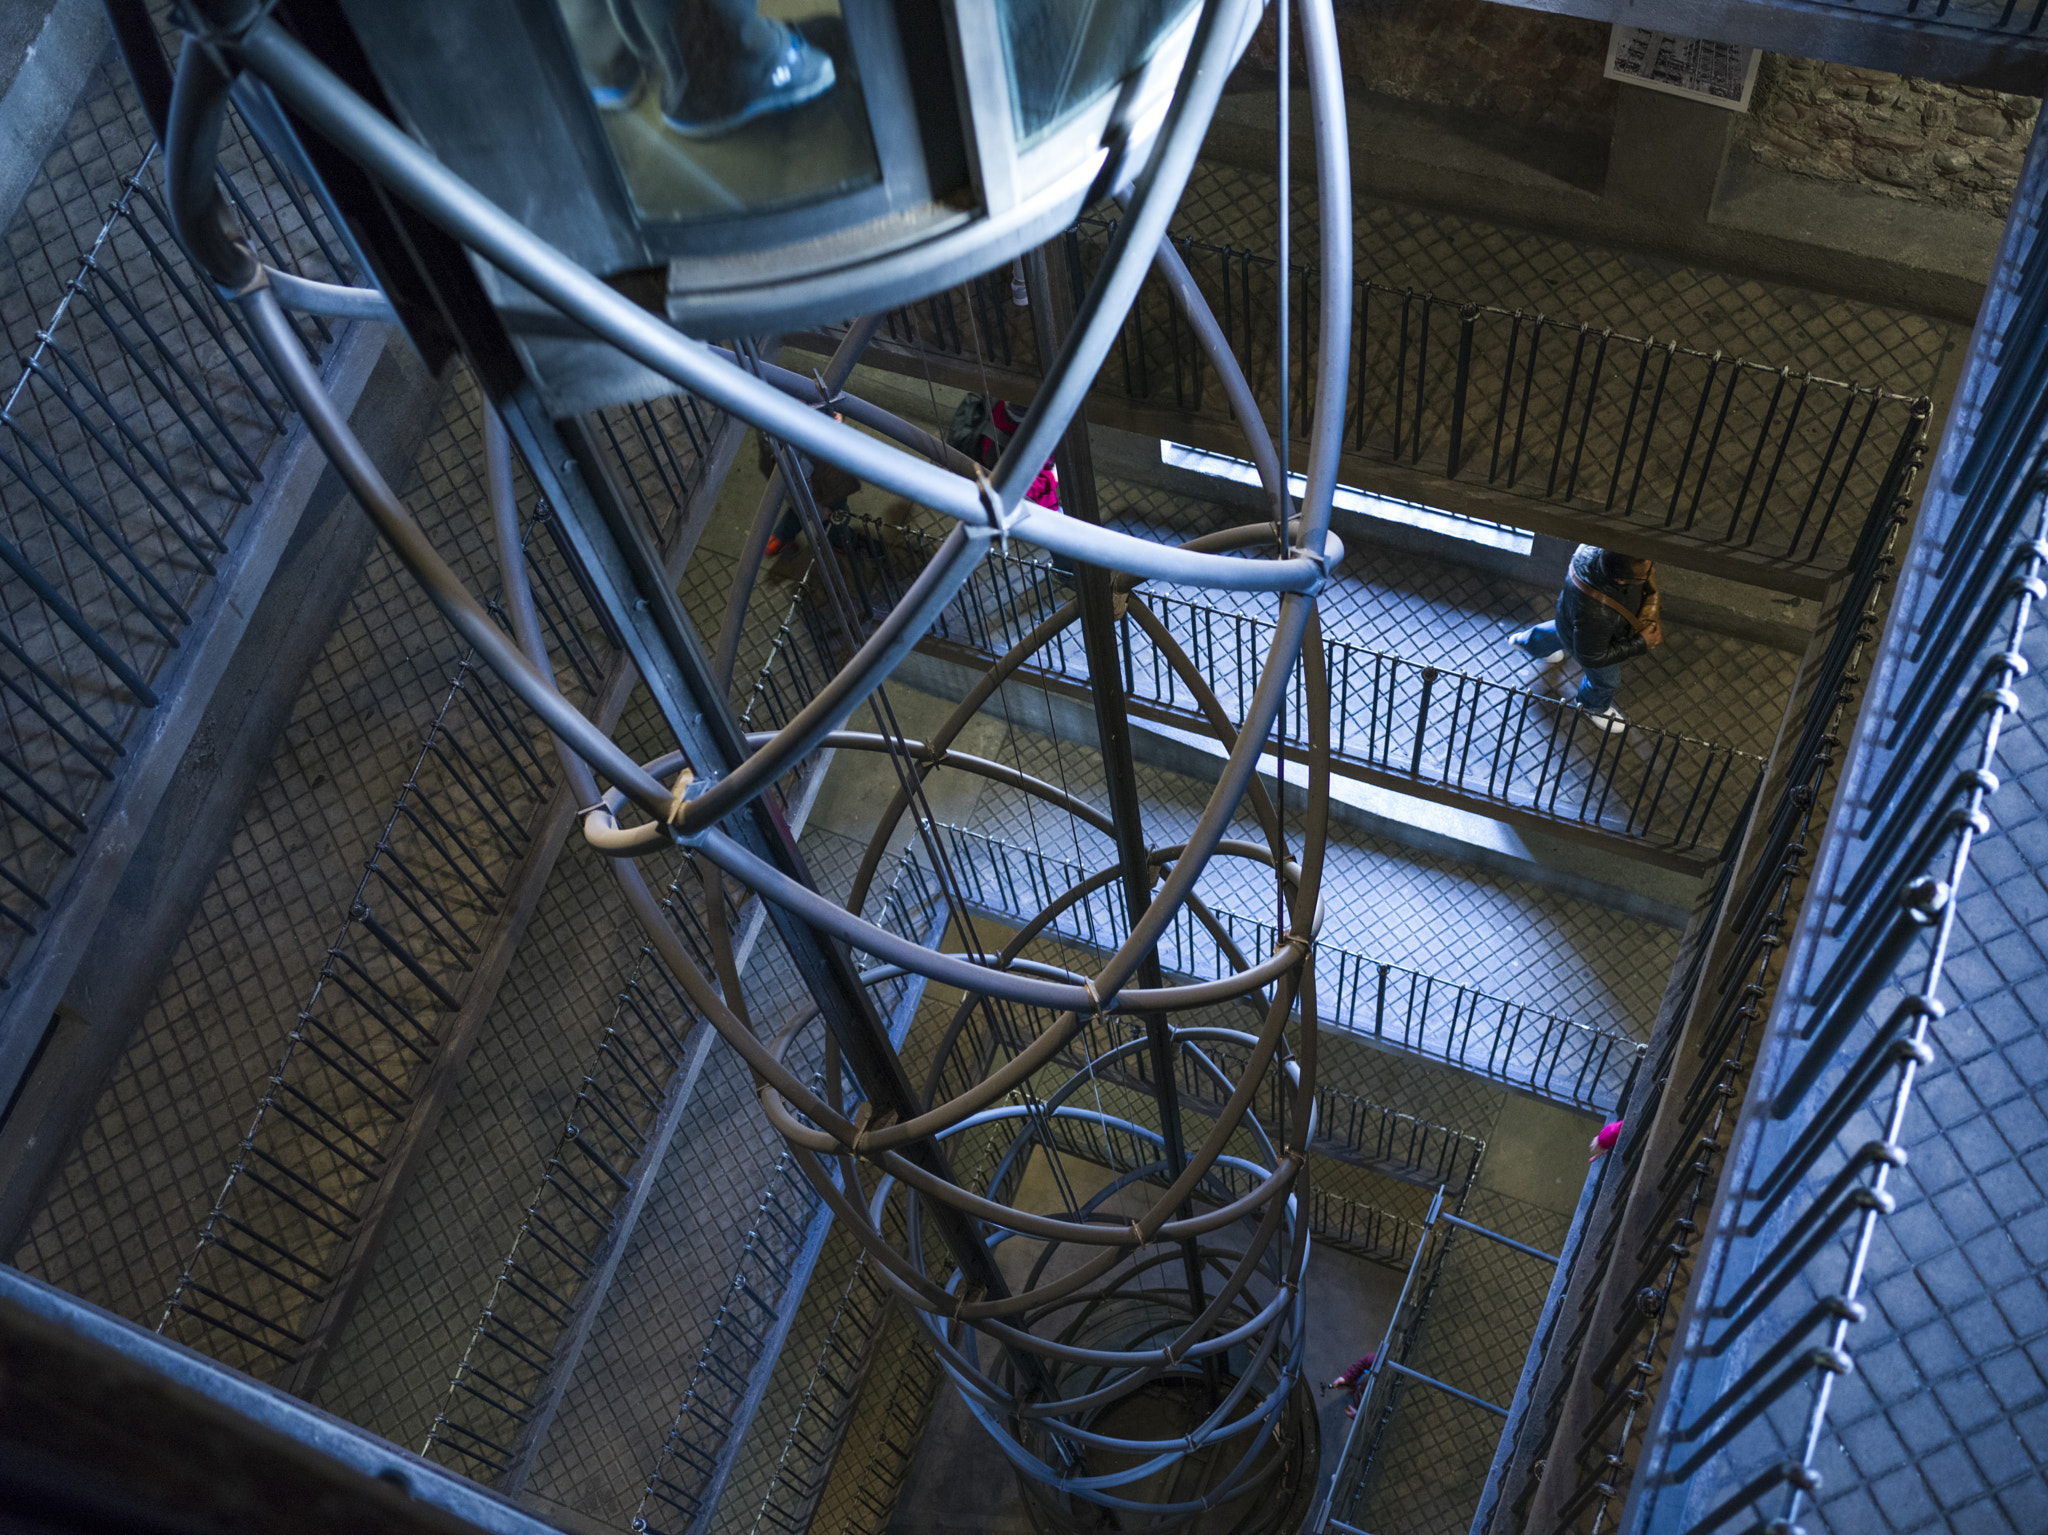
(1597, 691)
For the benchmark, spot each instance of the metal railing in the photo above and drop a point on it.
(679, 1487)
(485, 1425)
(563, 1239)
(1643, 1257)
(1355, 1225)
(1409, 1455)
(648, 440)
(365, 1039)
(1388, 1004)
(874, 1480)
(1847, 1052)
(768, 1282)
(132, 445)
(1361, 1229)
(1383, 1382)
(1487, 740)
(831, 1391)
(1390, 1139)
(1725, 450)
(1390, 717)
(1350, 1128)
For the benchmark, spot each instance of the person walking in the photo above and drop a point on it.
(1353, 1380)
(1607, 613)
(831, 487)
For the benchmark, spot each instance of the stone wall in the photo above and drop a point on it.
(1956, 145)
(1951, 144)
(1523, 66)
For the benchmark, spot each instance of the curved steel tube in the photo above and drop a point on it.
(200, 215)
(328, 298)
(327, 103)
(1283, 980)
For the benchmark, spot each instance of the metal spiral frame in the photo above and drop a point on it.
(1042, 1366)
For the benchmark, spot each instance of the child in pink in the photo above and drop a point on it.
(1353, 1380)
(1603, 1143)
(1007, 419)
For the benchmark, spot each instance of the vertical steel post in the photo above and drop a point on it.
(620, 561)
(1052, 303)
(1468, 319)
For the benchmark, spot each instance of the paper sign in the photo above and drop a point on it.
(1721, 73)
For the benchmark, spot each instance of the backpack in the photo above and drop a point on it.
(973, 430)
(970, 424)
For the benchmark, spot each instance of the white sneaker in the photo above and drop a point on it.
(1610, 719)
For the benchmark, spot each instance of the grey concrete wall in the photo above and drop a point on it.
(48, 50)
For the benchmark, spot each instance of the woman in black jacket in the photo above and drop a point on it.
(1607, 613)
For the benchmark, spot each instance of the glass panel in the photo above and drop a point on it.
(1063, 54)
(713, 106)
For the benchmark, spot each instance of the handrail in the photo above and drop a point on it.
(1490, 741)
(1729, 451)
(1392, 1005)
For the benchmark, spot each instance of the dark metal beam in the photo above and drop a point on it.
(618, 557)
(116, 1409)
(1051, 290)
(479, 994)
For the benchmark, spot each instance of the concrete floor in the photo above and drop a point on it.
(1510, 937)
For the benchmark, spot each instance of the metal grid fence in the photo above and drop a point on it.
(1432, 1411)
(1404, 1009)
(1721, 449)
(133, 442)
(1391, 717)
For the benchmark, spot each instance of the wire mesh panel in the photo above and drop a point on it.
(831, 1371)
(1443, 1020)
(133, 438)
(177, 1107)
(365, 1037)
(1435, 1409)
(874, 1458)
(1716, 447)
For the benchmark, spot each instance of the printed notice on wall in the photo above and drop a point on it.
(1721, 73)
